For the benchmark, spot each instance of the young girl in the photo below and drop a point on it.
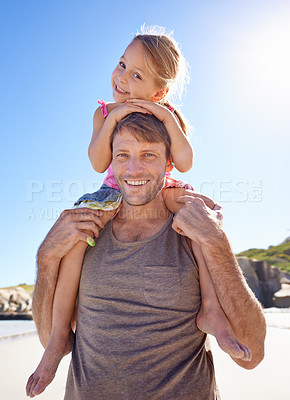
(140, 82)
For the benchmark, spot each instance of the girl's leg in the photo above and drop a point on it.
(64, 305)
(211, 317)
(61, 338)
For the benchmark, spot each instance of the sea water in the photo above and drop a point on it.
(9, 329)
(277, 317)
(14, 328)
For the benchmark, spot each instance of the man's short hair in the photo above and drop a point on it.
(145, 127)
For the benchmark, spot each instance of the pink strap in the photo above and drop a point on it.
(170, 108)
(103, 108)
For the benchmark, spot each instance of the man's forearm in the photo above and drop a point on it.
(237, 300)
(42, 304)
(71, 227)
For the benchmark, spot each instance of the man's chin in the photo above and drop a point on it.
(136, 202)
(141, 200)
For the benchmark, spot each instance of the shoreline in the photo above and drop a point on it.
(15, 317)
(16, 336)
(275, 317)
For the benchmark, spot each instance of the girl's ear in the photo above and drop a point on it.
(160, 94)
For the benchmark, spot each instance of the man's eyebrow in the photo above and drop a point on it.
(120, 149)
(150, 150)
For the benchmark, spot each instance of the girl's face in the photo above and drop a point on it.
(131, 78)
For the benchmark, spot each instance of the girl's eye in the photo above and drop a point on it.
(122, 65)
(148, 155)
(137, 76)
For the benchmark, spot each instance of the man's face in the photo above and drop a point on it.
(139, 168)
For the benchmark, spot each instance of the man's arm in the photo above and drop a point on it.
(71, 227)
(242, 309)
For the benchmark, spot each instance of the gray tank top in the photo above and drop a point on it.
(136, 334)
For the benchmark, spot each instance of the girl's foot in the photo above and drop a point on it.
(56, 349)
(214, 322)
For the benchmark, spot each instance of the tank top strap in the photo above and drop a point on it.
(104, 109)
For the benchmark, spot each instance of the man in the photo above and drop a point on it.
(139, 294)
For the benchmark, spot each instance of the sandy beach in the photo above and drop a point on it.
(268, 381)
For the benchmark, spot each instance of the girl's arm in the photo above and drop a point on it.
(99, 151)
(181, 149)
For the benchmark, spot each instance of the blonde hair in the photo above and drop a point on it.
(165, 62)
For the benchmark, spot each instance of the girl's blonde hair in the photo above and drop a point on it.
(166, 63)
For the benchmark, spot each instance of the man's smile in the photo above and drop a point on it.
(136, 183)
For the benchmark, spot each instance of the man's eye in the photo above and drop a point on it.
(137, 76)
(122, 65)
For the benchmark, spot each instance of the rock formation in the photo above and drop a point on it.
(267, 282)
(15, 303)
(282, 297)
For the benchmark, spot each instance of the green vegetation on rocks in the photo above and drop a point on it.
(28, 288)
(276, 255)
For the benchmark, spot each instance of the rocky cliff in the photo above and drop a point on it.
(15, 303)
(270, 285)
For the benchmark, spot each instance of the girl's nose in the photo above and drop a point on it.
(123, 76)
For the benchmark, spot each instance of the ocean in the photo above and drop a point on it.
(16, 328)
(275, 317)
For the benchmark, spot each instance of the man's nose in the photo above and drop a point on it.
(134, 166)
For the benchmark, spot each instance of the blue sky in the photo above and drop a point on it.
(56, 62)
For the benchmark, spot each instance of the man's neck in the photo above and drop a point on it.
(134, 223)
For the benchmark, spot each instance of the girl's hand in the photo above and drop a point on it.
(125, 109)
(181, 150)
(160, 112)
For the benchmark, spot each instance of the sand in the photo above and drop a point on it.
(19, 358)
(268, 381)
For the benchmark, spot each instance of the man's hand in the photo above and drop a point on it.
(199, 219)
(201, 224)
(218, 210)
(72, 226)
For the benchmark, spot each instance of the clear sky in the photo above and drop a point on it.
(56, 62)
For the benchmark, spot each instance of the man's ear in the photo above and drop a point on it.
(160, 94)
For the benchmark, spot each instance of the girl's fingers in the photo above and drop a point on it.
(139, 108)
(141, 103)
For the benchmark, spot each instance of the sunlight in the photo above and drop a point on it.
(262, 61)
